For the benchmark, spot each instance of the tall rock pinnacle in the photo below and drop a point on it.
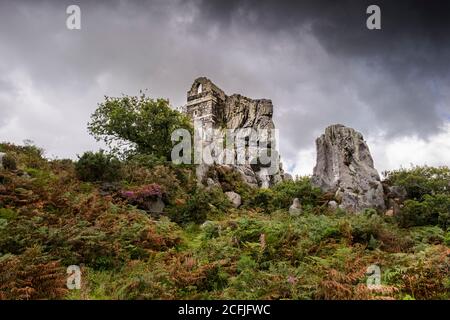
(345, 166)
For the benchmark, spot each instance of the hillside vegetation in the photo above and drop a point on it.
(95, 213)
(50, 218)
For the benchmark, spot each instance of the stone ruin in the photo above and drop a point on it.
(345, 168)
(209, 105)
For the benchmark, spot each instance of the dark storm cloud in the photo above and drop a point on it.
(315, 59)
(411, 51)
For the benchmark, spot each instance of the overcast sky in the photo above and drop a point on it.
(316, 60)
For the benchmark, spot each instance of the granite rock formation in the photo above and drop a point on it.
(209, 105)
(345, 167)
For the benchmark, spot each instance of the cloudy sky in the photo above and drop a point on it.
(316, 60)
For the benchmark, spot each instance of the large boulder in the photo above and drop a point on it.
(345, 167)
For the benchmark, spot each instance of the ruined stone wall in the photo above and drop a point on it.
(209, 104)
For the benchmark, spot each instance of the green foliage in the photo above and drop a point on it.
(52, 219)
(433, 210)
(261, 199)
(148, 161)
(447, 239)
(25, 156)
(139, 124)
(246, 263)
(199, 204)
(282, 194)
(7, 214)
(428, 234)
(9, 162)
(301, 188)
(420, 181)
(96, 167)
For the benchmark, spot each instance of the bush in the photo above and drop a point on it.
(261, 199)
(95, 167)
(433, 210)
(7, 214)
(420, 181)
(9, 162)
(302, 189)
(282, 194)
(195, 209)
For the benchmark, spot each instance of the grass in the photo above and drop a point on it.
(50, 220)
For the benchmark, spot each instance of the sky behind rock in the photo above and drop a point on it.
(316, 60)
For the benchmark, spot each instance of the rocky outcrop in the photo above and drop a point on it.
(209, 105)
(345, 167)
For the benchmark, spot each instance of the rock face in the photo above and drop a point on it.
(344, 166)
(208, 105)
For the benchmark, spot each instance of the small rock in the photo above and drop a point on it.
(296, 208)
(389, 213)
(234, 198)
(332, 205)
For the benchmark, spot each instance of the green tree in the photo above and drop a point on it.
(137, 124)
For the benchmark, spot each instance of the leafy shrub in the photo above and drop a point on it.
(428, 234)
(282, 194)
(95, 167)
(148, 161)
(261, 199)
(246, 263)
(420, 181)
(175, 180)
(433, 210)
(9, 162)
(447, 239)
